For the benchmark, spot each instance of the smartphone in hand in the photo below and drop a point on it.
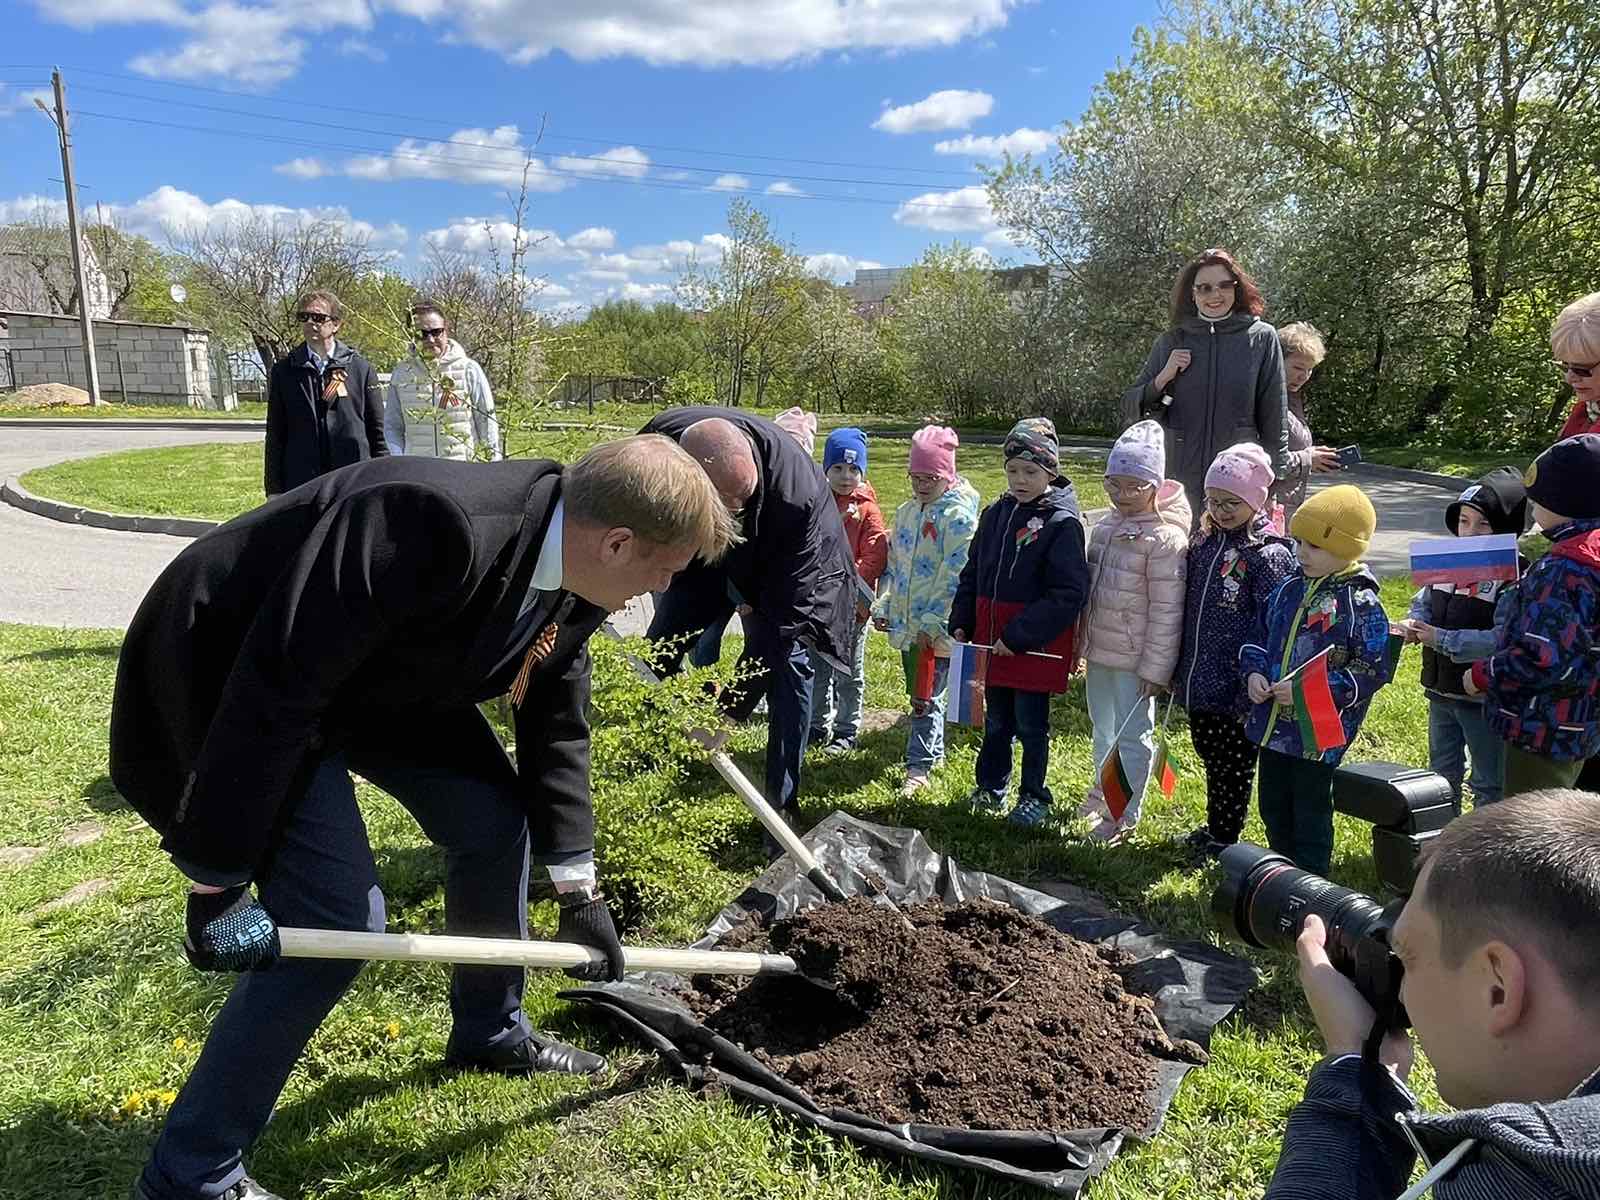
(1349, 456)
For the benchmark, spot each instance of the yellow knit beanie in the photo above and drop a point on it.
(1339, 520)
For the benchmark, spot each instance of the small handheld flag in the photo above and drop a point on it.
(1314, 707)
(1161, 767)
(1464, 560)
(919, 674)
(964, 694)
(1115, 789)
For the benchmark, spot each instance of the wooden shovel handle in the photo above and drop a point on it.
(508, 952)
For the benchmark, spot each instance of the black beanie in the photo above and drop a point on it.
(1566, 478)
(1500, 497)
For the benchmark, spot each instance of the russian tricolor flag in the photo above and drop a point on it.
(969, 667)
(1464, 560)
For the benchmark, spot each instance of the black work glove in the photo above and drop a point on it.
(229, 931)
(589, 923)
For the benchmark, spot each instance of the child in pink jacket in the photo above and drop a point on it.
(1133, 624)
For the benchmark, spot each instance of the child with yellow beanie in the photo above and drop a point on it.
(1325, 618)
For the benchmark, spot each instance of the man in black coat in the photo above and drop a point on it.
(792, 579)
(355, 623)
(324, 402)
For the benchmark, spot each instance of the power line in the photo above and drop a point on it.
(461, 123)
(494, 146)
(480, 164)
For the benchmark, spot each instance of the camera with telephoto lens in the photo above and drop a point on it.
(1264, 900)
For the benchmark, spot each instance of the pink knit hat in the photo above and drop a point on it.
(1245, 470)
(933, 452)
(800, 425)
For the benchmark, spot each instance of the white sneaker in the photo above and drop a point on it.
(1094, 807)
(915, 782)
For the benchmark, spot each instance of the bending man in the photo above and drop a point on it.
(355, 623)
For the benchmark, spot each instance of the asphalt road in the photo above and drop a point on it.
(52, 573)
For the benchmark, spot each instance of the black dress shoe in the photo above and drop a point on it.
(245, 1189)
(540, 1052)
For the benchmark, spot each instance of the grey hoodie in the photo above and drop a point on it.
(1232, 391)
(1353, 1143)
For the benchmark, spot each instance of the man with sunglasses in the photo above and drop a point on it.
(324, 402)
(439, 404)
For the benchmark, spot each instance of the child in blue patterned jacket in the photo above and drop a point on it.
(1235, 566)
(1331, 604)
(1540, 685)
(927, 550)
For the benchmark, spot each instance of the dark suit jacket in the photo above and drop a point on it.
(381, 593)
(308, 436)
(794, 566)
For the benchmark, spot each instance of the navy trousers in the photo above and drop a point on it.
(697, 600)
(323, 877)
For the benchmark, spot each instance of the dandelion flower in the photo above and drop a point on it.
(392, 1030)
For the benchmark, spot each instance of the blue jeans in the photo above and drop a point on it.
(1455, 728)
(1115, 704)
(462, 790)
(925, 745)
(836, 697)
(1009, 713)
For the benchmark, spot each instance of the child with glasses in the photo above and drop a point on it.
(927, 551)
(1233, 567)
(1133, 624)
(1021, 592)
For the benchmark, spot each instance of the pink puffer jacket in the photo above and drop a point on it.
(1134, 618)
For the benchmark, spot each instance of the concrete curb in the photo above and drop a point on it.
(13, 493)
(124, 423)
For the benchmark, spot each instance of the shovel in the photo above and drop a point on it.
(514, 952)
(757, 804)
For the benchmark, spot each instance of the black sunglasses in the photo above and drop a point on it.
(437, 332)
(311, 318)
(1581, 370)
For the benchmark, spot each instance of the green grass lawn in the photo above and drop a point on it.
(221, 480)
(1468, 464)
(108, 411)
(101, 1019)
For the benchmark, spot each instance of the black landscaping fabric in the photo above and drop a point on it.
(1192, 985)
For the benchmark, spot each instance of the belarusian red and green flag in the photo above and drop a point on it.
(1314, 707)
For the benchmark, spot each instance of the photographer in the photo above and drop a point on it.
(1501, 965)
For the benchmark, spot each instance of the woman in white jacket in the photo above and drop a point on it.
(439, 404)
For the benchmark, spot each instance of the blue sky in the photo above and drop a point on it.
(410, 119)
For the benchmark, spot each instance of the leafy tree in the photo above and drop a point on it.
(839, 357)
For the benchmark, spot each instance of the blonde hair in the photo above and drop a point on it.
(1303, 338)
(1575, 337)
(651, 485)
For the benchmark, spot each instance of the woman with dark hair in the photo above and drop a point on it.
(1215, 377)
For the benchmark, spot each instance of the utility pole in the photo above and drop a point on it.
(85, 321)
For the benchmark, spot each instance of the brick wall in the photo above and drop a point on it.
(160, 364)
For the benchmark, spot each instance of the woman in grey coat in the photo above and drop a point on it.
(1215, 377)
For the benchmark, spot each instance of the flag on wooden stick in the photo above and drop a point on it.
(964, 693)
(1314, 706)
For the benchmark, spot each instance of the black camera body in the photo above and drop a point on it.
(1264, 900)
(1406, 806)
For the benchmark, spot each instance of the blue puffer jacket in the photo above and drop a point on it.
(1541, 682)
(1303, 618)
(1232, 575)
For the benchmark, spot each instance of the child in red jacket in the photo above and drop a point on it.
(836, 697)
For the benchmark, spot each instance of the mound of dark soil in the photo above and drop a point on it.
(981, 1017)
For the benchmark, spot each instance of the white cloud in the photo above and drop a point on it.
(593, 238)
(172, 209)
(550, 290)
(1018, 142)
(711, 33)
(948, 109)
(965, 210)
(494, 156)
(837, 268)
(647, 293)
(303, 168)
(485, 235)
(784, 188)
(254, 45)
(627, 161)
(15, 102)
(729, 183)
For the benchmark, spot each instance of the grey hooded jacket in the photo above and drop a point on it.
(1232, 391)
(1361, 1143)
